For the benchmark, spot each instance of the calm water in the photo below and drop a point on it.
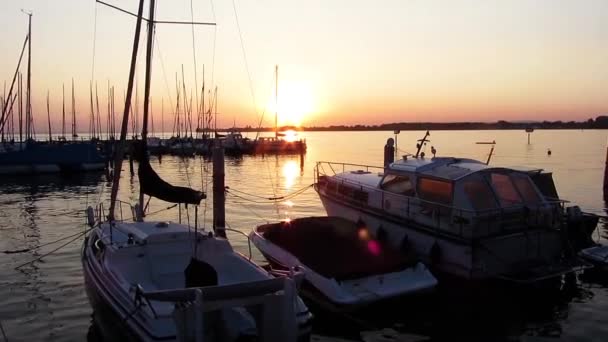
(46, 300)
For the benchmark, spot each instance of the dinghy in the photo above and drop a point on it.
(341, 261)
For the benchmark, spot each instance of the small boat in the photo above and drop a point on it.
(597, 255)
(463, 217)
(341, 261)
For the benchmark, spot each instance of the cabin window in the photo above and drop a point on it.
(480, 194)
(398, 184)
(507, 195)
(435, 190)
(526, 189)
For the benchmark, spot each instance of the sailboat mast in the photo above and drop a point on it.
(48, 114)
(276, 99)
(73, 112)
(144, 128)
(125, 119)
(63, 112)
(28, 109)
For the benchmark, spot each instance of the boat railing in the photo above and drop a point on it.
(276, 299)
(123, 212)
(443, 218)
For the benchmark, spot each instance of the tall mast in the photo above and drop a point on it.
(63, 112)
(48, 114)
(276, 99)
(29, 78)
(73, 112)
(144, 127)
(125, 118)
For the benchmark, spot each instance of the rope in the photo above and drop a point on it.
(54, 250)
(244, 56)
(276, 198)
(3, 333)
(249, 209)
(161, 210)
(43, 245)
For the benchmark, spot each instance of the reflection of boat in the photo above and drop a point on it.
(463, 217)
(341, 260)
(168, 281)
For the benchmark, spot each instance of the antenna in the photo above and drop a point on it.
(493, 143)
(421, 143)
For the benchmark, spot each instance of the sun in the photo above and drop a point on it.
(295, 103)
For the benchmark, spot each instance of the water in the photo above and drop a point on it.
(45, 301)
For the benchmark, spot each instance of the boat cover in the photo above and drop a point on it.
(336, 248)
(152, 185)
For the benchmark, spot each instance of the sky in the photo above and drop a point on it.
(340, 62)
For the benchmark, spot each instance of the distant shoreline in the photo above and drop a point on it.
(601, 122)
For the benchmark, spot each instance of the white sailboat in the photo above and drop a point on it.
(173, 282)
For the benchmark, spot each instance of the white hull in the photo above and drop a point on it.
(112, 272)
(363, 285)
(491, 258)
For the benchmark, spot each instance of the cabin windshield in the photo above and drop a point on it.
(505, 189)
(398, 184)
(435, 190)
(525, 187)
(480, 194)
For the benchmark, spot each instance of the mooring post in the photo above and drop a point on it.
(606, 177)
(219, 210)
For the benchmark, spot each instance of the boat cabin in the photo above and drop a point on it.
(460, 196)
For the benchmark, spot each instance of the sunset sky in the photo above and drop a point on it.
(340, 62)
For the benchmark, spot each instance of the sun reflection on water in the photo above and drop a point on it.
(290, 172)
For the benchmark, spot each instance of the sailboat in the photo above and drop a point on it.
(280, 143)
(28, 156)
(173, 282)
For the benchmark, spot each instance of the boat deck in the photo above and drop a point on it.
(336, 248)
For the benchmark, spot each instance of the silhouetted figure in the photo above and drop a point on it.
(433, 151)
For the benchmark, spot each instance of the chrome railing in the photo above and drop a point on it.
(447, 219)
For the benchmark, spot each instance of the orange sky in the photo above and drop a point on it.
(340, 62)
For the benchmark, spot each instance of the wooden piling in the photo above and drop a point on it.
(219, 210)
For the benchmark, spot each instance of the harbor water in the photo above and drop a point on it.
(46, 300)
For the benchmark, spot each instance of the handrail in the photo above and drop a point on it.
(505, 218)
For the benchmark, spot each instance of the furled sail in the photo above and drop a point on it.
(152, 185)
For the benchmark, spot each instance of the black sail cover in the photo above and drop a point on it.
(152, 185)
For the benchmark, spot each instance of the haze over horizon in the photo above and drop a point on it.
(340, 62)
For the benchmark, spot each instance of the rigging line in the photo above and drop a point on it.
(214, 38)
(297, 192)
(54, 250)
(248, 207)
(244, 56)
(162, 64)
(94, 43)
(194, 57)
(43, 245)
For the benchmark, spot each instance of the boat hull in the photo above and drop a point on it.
(484, 259)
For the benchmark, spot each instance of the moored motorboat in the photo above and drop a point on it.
(464, 218)
(342, 261)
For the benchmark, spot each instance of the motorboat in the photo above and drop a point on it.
(146, 273)
(463, 217)
(597, 255)
(341, 261)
